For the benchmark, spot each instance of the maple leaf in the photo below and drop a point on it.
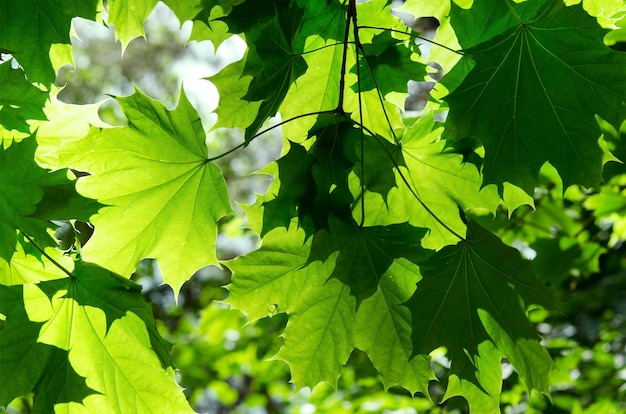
(432, 183)
(20, 101)
(271, 64)
(383, 330)
(128, 18)
(31, 27)
(470, 296)
(387, 67)
(316, 90)
(319, 178)
(290, 274)
(540, 81)
(366, 253)
(277, 278)
(29, 265)
(164, 196)
(38, 366)
(94, 344)
(30, 198)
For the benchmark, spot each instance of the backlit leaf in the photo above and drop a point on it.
(164, 197)
(277, 278)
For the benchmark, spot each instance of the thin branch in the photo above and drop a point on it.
(346, 41)
(47, 256)
(362, 137)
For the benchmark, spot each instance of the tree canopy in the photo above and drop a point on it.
(449, 250)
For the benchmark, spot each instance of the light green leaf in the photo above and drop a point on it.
(128, 17)
(272, 60)
(110, 334)
(93, 339)
(428, 172)
(383, 330)
(28, 265)
(65, 122)
(234, 111)
(30, 365)
(277, 278)
(318, 88)
(477, 378)
(164, 196)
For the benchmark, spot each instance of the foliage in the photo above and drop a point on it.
(386, 238)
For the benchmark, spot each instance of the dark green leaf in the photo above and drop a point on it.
(535, 84)
(474, 294)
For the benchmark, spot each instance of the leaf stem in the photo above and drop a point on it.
(458, 52)
(217, 157)
(258, 134)
(46, 255)
(411, 190)
(323, 47)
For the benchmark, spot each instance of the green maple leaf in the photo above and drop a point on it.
(366, 253)
(31, 27)
(280, 203)
(233, 111)
(432, 184)
(277, 278)
(280, 65)
(272, 60)
(28, 265)
(318, 88)
(387, 66)
(208, 27)
(312, 184)
(535, 83)
(297, 42)
(383, 330)
(29, 198)
(251, 18)
(34, 366)
(116, 296)
(20, 101)
(128, 18)
(488, 19)
(110, 333)
(379, 107)
(469, 301)
(290, 274)
(164, 196)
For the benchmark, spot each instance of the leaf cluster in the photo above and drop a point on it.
(382, 231)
